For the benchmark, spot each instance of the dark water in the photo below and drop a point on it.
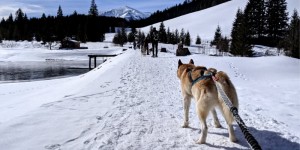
(19, 71)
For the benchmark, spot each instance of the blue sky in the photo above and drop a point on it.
(35, 8)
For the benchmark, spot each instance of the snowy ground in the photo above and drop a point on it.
(134, 102)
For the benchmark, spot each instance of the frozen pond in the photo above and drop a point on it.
(18, 71)
(27, 61)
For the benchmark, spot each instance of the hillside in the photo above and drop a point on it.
(205, 22)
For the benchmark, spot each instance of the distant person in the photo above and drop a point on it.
(146, 47)
(180, 45)
(154, 36)
(134, 44)
(135, 40)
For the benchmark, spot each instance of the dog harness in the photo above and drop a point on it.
(202, 76)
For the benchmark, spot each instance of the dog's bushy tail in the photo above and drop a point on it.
(228, 87)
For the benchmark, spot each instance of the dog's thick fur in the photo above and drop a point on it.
(206, 96)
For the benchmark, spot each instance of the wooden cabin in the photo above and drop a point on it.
(69, 43)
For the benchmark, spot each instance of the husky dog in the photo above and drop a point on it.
(197, 82)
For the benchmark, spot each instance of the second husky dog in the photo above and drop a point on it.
(197, 82)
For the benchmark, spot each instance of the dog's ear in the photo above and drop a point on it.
(179, 63)
(191, 61)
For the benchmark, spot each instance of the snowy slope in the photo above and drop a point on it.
(127, 13)
(134, 102)
(205, 22)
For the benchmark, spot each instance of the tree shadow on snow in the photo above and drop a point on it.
(268, 140)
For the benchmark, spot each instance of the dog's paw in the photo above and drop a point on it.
(185, 125)
(218, 125)
(233, 139)
(200, 141)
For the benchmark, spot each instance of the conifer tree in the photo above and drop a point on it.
(223, 45)
(93, 9)
(81, 33)
(10, 21)
(176, 37)
(10, 18)
(120, 38)
(59, 12)
(117, 38)
(162, 33)
(75, 13)
(277, 18)
(43, 16)
(239, 37)
(198, 40)
(25, 17)
(172, 38)
(255, 18)
(169, 36)
(19, 28)
(19, 15)
(131, 35)
(59, 25)
(182, 36)
(187, 40)
(217, 36)
(123, 35)
(292, 40)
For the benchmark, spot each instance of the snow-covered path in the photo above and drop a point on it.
(134, 102)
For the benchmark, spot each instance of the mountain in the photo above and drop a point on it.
(127, 13)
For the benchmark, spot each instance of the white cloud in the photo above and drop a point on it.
(5, 11)
(10, 8)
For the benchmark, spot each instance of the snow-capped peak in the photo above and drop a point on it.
(127, 13)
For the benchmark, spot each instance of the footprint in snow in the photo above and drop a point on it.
(99, 118)
(66, 96)
(275, 121)
(53, 147)
(258, 109)
(86, 142)
(290, 115)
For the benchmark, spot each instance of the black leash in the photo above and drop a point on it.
(248, 136)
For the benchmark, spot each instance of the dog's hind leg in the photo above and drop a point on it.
(229, 120)
(215, 117)
(203, 109)
(202, 114)
(186, 107)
